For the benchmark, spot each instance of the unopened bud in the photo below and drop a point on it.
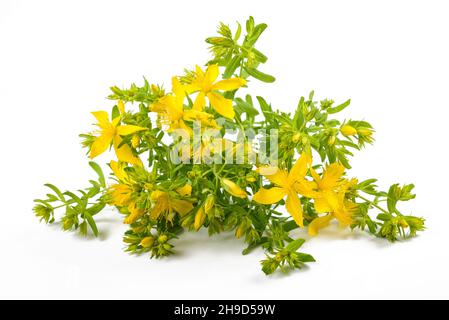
(364, 131)
(296, 137)
(147, 242)
(348, 130)
(135, 141)
(200, 216)
(209, 203)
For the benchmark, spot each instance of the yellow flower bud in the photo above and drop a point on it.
(135, 141)
(403, 223)
(148, 186)
(209, 203)
(200, 216)
(250, 179)
(365, 131)
(147, 242)
(240, 231)
(233, 189)
(278, 257)
(162, 238)
(331, 140)
(296, 137)
(348, 130)
(121, 106)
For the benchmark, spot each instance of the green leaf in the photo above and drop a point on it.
(91, 222)
(299, 119)
(115, 112)
(74, 197)
(246, 107)
(56, 191)
(295, 245)
(96, 208)
(250, 25)
(264, 106)
(254, 36)
(238, 32)
(259, 55)
(232, 66)
(259, 75)
(99, 172)
(339, 107)
(397, 193)
(304, 257)
(384, 217)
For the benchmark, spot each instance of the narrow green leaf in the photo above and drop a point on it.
(115, 112)
(295, 245)
(96, 208)
(56, 190)
(264, 106)
(304, 257)
(74, 197)
(339, 107)
(238, 32)
(259, 75)
(232, 66)
(99, 172)
(91, 222)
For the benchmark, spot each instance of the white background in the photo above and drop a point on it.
(58, 59)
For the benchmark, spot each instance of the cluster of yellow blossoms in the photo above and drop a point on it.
(328, 190)
(161, 197)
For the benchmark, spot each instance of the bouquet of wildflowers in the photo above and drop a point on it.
(202, 156)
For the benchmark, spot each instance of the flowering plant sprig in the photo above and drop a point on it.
(196, 157)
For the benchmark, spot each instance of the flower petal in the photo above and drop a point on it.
(344, 216)
(211, 75)
(294, 207)
(118, 170)
(300, 168)
(222, 105)
(275, 175)
(234, 189)
(269, 196)
(181, 206)
(134, 213)
(321, 205)
(128, 129)
(319, 223)
(124, 153)
(332, 175)
(101, 144)
(306, 188)
(229, 84)
(200, 102)
(102, 118)
(185, 190)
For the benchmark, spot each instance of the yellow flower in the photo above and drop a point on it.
(329, 197)
(111, 132)
(118, 169)
(204, 84)
(171, 110)
(167, 205)
(134, 213)
(233, 189)
(122, 193)
(288, 184)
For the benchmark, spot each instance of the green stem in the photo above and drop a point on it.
(372, 203)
